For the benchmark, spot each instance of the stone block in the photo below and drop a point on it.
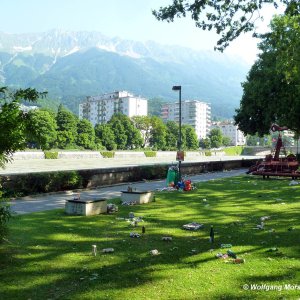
(86, 207)
(139, 197)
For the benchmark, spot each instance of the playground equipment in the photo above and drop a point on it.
(277, 164)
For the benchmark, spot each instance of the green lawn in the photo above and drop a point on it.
(49, 254)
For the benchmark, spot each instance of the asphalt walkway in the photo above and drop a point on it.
(44, 202)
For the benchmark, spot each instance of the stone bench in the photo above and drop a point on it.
(86, 207)
(139, 197)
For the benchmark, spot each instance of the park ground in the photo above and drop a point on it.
(48, 255)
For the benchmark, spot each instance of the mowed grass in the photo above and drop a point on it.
(49, 254)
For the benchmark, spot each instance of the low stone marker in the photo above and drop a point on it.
(139, 197)
(86, 207)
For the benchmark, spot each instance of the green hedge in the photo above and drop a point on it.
(107, 154)
(150, 153)
(236, 150)
(248, 151)
(207, 153)
(51, 155)
(43, 183)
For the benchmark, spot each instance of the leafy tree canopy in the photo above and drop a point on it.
(105, 135)
(41, 129)
(229, 18)
(271, 93)
(85, 134)
(13, 119)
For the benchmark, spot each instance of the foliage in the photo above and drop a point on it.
(228, 18)
(41, 129)
(105, 135)
(208, 153)
(107, 154)
(34, 183)
(119, 132)
(255, 140)
(134, 137)
(158, 134)
(143, 123)
(85, 134)
(150, 153)
(271, 92)
(5, 215)
(12, 120)
(172, 135)
(191, 139)
(51, 154)
(66, 128)
(205, 143)
(236, 150)
(216, 137)
(226, 141)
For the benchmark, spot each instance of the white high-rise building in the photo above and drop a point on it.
(193, 112)
(100, 109)
(232, 131)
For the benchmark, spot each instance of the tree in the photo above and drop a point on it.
(158, 133)
(205, 143)
(229, 18)
(85, 134)
(105, 135)
(255, 140)
(119, 132)
(191, 139)
(216, 138)
(66, 128)
(143, 124)
(226, 141)
(271, 93)
(132, 137)
(172, 135)
(41, 129)
(13, 120)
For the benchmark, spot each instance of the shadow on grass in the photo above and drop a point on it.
(50, 253)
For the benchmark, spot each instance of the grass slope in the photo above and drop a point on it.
(49, 254)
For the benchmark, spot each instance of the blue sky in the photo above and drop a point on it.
(127, 19)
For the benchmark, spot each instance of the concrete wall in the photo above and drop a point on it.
(57, 181)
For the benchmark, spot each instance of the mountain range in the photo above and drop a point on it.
(73, 65)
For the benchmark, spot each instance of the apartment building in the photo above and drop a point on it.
(100, 109)
(230, 130)
(193, 112)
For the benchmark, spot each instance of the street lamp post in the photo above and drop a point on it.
(178, 88)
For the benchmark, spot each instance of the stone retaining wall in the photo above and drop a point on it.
(31, 183)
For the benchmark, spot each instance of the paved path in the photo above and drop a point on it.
(57, 200)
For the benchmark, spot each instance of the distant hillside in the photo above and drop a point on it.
(73, 65)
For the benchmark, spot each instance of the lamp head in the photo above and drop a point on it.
(176, 88)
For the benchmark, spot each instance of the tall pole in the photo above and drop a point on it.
(178, 88)
(179, 146)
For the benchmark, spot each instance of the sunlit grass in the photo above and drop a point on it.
(49, 254)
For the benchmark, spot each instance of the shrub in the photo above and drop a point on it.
(153, 172)
(207, 153)
(44, 182)
(51, 155)
(150, 153)
(236, 150)
(248, 151)
(107, 154)
(4, 214)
